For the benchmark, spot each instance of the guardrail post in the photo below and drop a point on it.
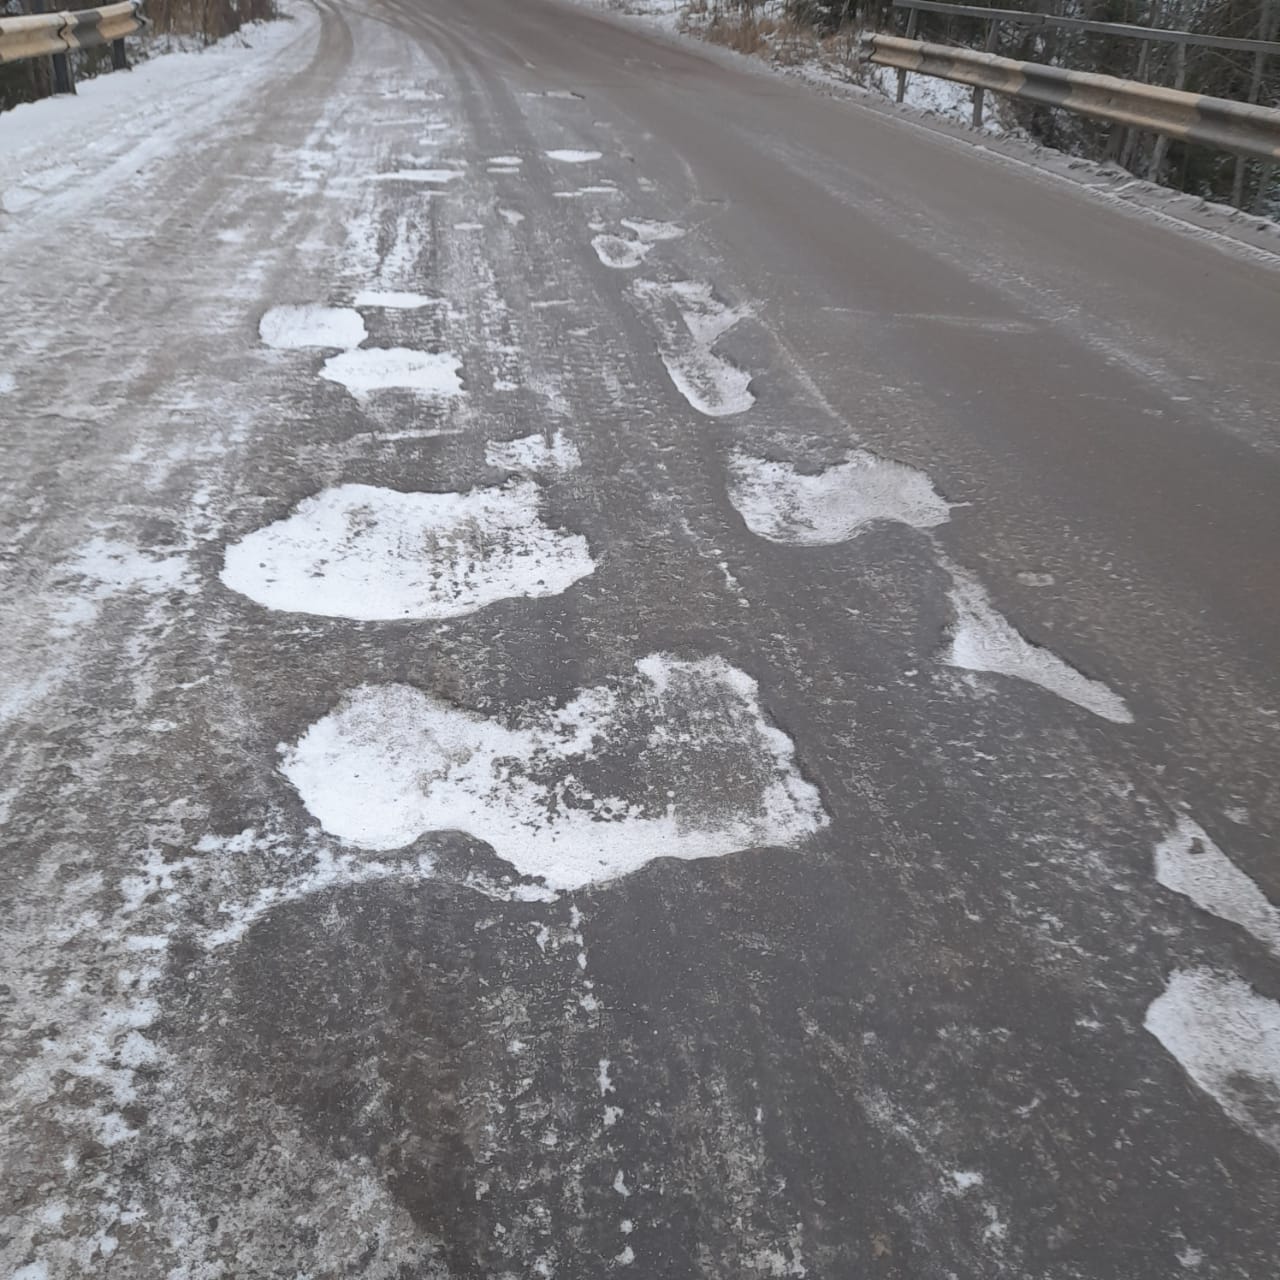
(119, 59)
(63, 80)
(989, 45)
(912, 18)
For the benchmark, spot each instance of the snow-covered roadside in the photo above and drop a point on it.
(59, 152)
(945, 109)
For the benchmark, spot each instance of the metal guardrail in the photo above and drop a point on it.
(1192, 117)
(1124, 30)
(43, 35)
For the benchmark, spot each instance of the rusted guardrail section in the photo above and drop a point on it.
(1213, 122)
(44, 35)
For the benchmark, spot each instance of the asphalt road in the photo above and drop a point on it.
(731, 733)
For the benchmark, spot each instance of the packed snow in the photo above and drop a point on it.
(1226, 1037)
(785, 505)
(983, 640)
(575, 794)
(619, 253)
(534, 455)
(374, 554)
(433, 374)
(297, 327)
(1189, 863)
(688, 320)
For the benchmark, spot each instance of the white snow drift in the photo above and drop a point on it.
(372, 369)
(1189, 863)
(1227, 1039)
(782, 504)
(297, 327)
(983, 640)
(376, 555)
(688, 320)
(575, 794)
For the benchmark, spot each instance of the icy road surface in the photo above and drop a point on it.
(614, 667)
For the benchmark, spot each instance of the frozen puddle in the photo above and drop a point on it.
(384, 368)
(689, 320)
(676, 760)
(784, 505)
(534, 455)
(570, 156)
(392, 300)
(377, 555)
(1226, 1037)
(621, 254)
(294, 328)
(1189, 863)
(983, 640)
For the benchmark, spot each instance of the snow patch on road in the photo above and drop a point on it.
(534, 455)
(983, 640)
(375, 555)
(385, 368)
(784, 505)
(618, 253)
(1226, 1037)
(295, 327)
(435, 177)
(508, 162)
(512, 217)
(1189, 863)
(392, 300)
(652, 232)
(675, 760)
(8, 384)
(688, 320)
(570, 156)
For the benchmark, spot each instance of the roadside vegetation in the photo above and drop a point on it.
(173, 24)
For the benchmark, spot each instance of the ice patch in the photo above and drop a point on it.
(570, 156)
(782, 504)
(618, 253)
(1189, 863)
(513, 217)
(392, 300)
(1226, 1037)
(713, 385)
(534, 455)
(293, 328)
(983, 640)
(437, 177)
(676, 759)
(8, 384)
(650, 231)
(377, 555)
(383, 368)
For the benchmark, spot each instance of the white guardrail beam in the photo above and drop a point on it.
(1191, 117)
(41, 35)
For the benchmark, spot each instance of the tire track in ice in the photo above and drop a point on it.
(574, 795)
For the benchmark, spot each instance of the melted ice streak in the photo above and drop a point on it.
(618, 253)
(1226, 1037)
(983, 640)
(781, 504)
(713, 385)
(570, 156)
(293, 328)
(534, 455)
(378, 369)
(701, 773)
(1189, 863)
(377, 555)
